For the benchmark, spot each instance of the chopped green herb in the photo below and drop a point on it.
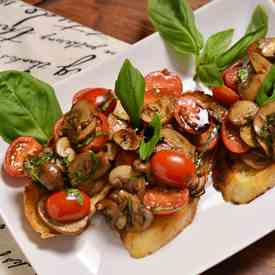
(243, 74)
(75, 193)
(96, 162)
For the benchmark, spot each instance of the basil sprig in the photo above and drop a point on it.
(129, 88)
(267, 91)
(28, 107)
(175, 22)
(147, 146)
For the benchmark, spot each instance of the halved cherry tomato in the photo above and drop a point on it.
(232, 140)
(102, 127)
(101, 98)
(165, 202)
(162, 83)
(16, 154)
(225, 95)
(57, 129)
(172, 168)
(65, 207)
(230, 75)
(207, 140)
(191, 115)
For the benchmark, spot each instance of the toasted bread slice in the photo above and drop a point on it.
(32, 196)
(163, 230)
(241, 184)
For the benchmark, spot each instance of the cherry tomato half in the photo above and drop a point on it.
(65, 207)
(172, 168)
(191, 115)
(232, 140)
(161, 83)
(101, 98)
(16, 154)
(165, 202)
(225, 95)
(230, 75)
(102, 127)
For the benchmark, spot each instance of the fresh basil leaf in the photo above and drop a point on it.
(267, 91)
(147, 146)
(216, 45)
(75, 193)
(129, 88)
(28, 107)
(210, 75)
(259, 19)
(238, 50)
(175, 22)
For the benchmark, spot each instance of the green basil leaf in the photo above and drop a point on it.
(238, 50)
(210, 75)
(267, 91)
(147, 147)
(259, 19)
(175, 22)
(216, 45)
(28, 107)
(75, 193)
(129, 88)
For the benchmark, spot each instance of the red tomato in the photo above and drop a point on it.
(100, 97)
(165, 202)
(162, 83)
(17, 152)
(207, 140)
(64, 207)
(191, 115)
(172, 168)
(57, 129)
(230, 75)
(225, 95)
(231, 139)
(103, 127)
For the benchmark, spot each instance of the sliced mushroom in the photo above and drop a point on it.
(87, 166)
(51, 176)
(120, 113)
(110, 150)
(260, 64)
(173, 140)
(141, 166)
(163, 106)
(127, 139)
(242, 112)
(115, 124)
(267, 47)
(248, 136)
(255, 159)
(264, 126)
(73, 228)
(250, 89)
(64, 150)
(121, 174)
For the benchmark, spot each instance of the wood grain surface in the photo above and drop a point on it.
(127, 20)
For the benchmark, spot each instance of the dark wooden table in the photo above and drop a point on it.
(127, 20)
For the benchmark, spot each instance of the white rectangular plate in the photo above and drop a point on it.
(219, 229)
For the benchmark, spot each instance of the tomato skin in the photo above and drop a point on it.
(161, 83)
(165, 202)
(65, 208)
(232, 140)
(225, 95)
(17, 152)
(230, 75)
(97, 97)
(98, 142)
(172, 168)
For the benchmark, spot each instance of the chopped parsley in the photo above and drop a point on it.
(243, 74)
(75, 194)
